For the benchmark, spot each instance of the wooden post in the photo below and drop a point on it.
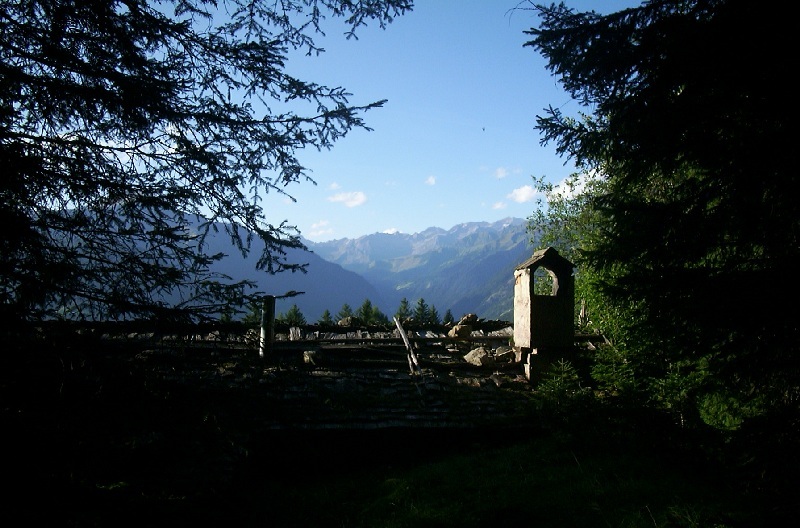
(267, 326)
(413, 362)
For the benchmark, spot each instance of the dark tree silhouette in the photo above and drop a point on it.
(692, 224)
(292, 317)
(422, 311)
(370, 314)
(433, 316)
(129, 129)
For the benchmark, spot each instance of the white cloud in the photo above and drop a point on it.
(350, 199)
(320, 228)
(391, 231)
(333, 186)
(570, 187)
(523, 194)
(430, 180)
(499, 205)
(500, 173)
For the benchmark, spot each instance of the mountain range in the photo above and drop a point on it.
(466, 269)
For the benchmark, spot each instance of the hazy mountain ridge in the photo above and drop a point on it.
(469, 268)
(326, 286)
(466, 269)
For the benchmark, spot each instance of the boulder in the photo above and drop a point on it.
(460, 330)
(479, 357)
(468, 319)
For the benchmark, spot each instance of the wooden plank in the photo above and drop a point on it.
(413, 362)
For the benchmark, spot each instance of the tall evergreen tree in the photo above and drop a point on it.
(448, 317)
(421, 311)
(378, 317)
(345, 312)
(129, 129)
(292, 317)
(364, 312)
(326, 319)
(433, 316)
(370, 314)
(692, 227)
(404, 310)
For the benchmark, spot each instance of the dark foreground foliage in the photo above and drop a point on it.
(95, 438)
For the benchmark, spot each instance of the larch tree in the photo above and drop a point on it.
(129, 129)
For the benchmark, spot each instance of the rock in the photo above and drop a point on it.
(505, 354)
(508, 331)
(479, 357)
(468, 319)
(308, 357)
(460, 330)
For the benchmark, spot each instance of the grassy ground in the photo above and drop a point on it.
(95, 442)
(544, 480)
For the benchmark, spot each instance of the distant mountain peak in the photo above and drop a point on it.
(468, 267)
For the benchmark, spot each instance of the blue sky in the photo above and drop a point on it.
(455, 141)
